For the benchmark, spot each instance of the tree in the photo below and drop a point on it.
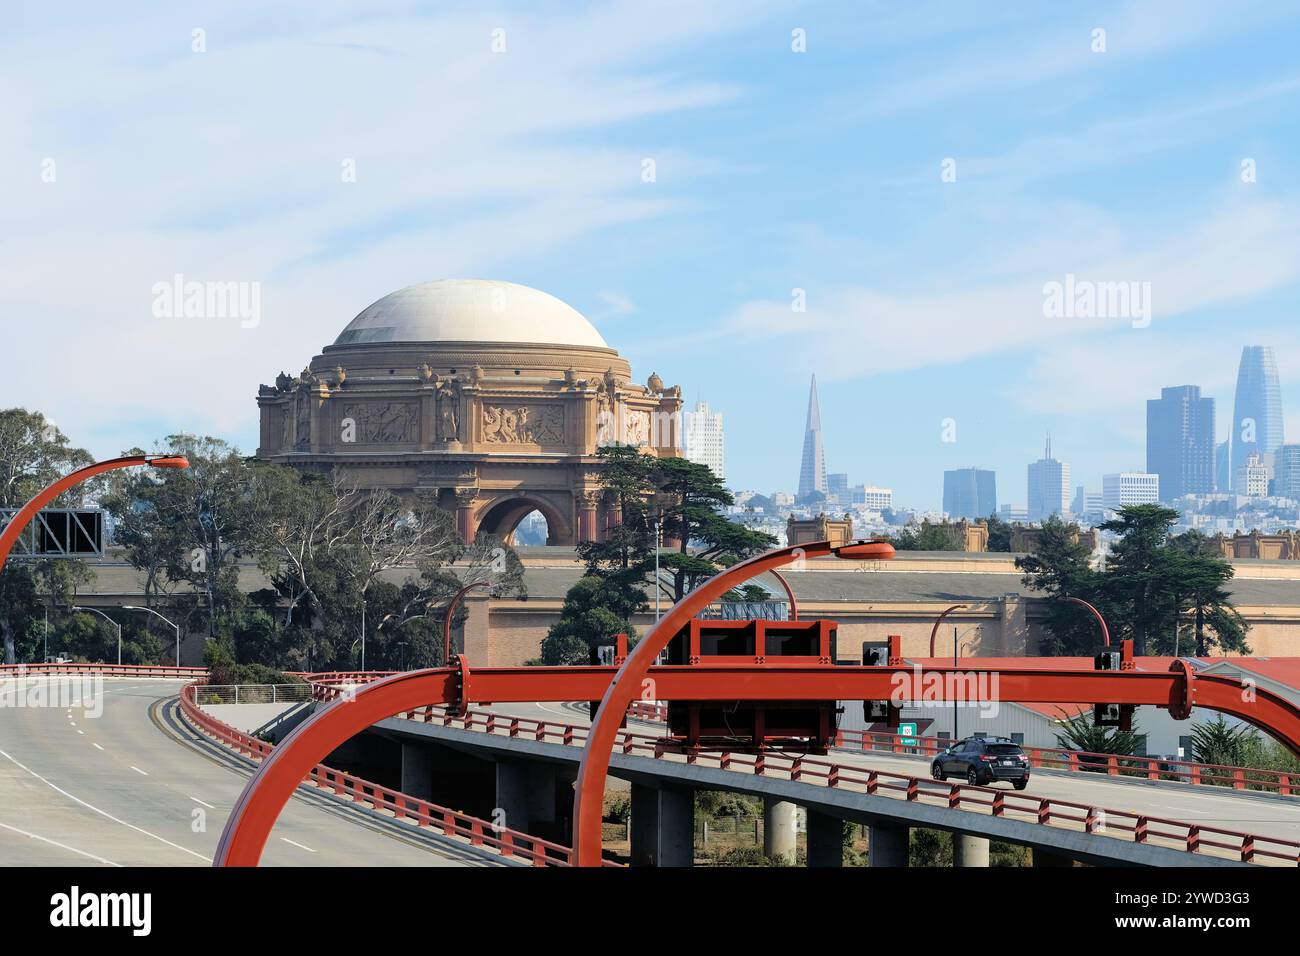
(33, 454)
(1201, 573)
(1058, 566)
(999, 534)
(929, 537)
(1141, 572)
(1078, 732)
(594, 611)
(1217, 742)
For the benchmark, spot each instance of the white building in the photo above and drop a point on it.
(1251, 478)
(1129, 488)
(1049, 487)
(873, 498)
(704, 438)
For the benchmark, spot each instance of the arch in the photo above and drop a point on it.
(501, 515)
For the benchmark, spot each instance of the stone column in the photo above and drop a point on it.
(969, 850)
(663, 826)
(825, 840)
(586, 502)
(887, 844)
(465, 498)
(779, 833)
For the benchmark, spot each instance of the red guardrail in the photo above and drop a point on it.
(507, 842)
(1190, 837)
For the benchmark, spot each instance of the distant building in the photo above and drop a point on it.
(876, 499)
(1180, 441)
(1013, 514)
(1223, 465)
(1087, 503)
(704, 438)
(812, 468)
(782, 499)
(1252, 477)
(969, 493)
(838, 531)
(1129, 488)
(1049, 487)
(1286, 469)
(1256, 411)
(837, 484)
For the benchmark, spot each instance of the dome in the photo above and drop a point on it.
(470, 310)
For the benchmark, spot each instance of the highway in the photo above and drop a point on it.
(135, 786)
(1261, 814)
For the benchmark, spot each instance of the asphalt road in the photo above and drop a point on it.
(1261, 814)
(135, 786)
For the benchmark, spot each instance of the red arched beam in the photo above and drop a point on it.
(789, 593)
(279, 775)
(589, 792)
(1105, 631)
(934, 631)
(28, 511)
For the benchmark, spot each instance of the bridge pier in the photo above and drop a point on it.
(887, 844)
(525, 793)
(780, 833)
(417, 771)
(825, 840)
(969, 850)
(663, 826)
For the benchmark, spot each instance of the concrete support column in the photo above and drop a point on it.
(525, 793)
(779, 831)
(1046, 858)
(887, 844)
(825, 840)
(663, 826)
(969, 850)
(417, 771)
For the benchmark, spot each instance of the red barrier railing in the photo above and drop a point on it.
(1143, 828)
(480, 833)
(104, 670)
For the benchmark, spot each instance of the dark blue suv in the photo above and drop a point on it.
(982, 761)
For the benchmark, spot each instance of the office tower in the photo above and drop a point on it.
(704, 438)
(875, 499)
(1129, 488)
(1252, 477)
(1180, 441)
(1257, 409)
(1223, 465)
(837, 484)
(812, 470)
(969, 493)
(1049, 487)
(1286, 467)
(1087, 503)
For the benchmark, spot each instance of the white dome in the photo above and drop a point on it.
(470, 310)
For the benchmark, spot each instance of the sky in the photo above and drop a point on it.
(878, 193)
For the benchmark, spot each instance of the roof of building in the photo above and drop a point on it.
(471, 310)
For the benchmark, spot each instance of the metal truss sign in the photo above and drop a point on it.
(59, 533)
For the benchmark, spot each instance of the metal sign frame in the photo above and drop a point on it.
(58, 533)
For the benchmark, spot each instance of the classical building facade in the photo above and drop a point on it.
(488, 398)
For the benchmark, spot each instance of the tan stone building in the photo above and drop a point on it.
(486, 397)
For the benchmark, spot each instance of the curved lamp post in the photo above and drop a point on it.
(1105, 631)
(28, 511)
(77, 607)
(626, 686)
(132, 607)
(452, 605)
(934, 631)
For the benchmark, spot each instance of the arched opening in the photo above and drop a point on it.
(524, 521)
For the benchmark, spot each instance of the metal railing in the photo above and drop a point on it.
(105, 670)
(252, 693)
(1044, 811)
(473, 830)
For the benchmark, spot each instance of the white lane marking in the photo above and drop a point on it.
(139, 771)
(97, 746)
(82, 732)
(298, 845)
(61, 846)
(201, 803)
(73, 722)
(103, 813)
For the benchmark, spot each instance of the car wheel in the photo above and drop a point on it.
(972, 777)
(1020, 784)
(936, 771)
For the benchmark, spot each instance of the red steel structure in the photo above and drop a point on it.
(253, 816)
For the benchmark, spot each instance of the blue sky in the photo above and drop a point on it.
(775, 171)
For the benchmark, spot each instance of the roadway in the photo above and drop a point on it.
(136, 786)
(1253, 812)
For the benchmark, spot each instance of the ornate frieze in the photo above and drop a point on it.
(382, 422)
(523, 424)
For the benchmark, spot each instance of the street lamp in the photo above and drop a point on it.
(132, 607)
(451, 611)
(77, 607)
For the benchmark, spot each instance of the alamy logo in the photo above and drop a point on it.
(190, 299)
(1086, 299)
(74, 908)
(939, 689)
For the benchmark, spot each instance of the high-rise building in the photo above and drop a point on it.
(875, 499)
(837, 484)
(1049, 487)
(1087, 503)
(1223, 464)
(1129, 488)
(1180, 441)
(1252, 477)
(812, 469)
(969, 493)
(704, 438)
(1256, 410)
(1286, 468)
